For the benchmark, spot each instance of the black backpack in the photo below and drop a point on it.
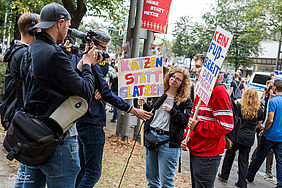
(232, 136)
(12, 90)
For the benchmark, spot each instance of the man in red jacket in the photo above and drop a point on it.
(206, 142)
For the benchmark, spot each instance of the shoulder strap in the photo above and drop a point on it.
(30, 69)
(235, 83)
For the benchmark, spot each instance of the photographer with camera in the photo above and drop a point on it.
(51, 70)
(91, 126)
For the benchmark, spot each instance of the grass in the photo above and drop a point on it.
(116, 153)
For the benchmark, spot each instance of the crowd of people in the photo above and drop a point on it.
(77, 162)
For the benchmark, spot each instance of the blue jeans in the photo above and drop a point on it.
(20, 176)
(161, 164)
(203, 171)
(60, 171)
(91, 145)
(264, 147)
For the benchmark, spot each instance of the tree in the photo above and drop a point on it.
(76, 8)
(181, 36)
(247, 31)
(189, 38)
(268, 13)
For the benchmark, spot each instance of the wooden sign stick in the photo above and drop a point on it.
(142, 129)
(194, 117)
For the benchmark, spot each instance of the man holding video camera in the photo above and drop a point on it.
(51, 72)
(91, 126)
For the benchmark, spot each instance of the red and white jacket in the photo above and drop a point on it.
(215, 120)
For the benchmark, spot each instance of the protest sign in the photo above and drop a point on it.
(140, 77)
(155, 14)
(215, 56)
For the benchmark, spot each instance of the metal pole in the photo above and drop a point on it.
(278, 56)
(137, 28)
(3, 42)
(148, 41)
(134, 53)
(122, 130)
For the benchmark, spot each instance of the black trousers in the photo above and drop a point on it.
(203, 171)
(243, 162)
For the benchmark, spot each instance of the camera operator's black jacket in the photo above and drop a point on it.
(52, 69)
(178, 121)
(96, 114)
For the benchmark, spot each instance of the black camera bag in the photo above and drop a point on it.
(29, 140)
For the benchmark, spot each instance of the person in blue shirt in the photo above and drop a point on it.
(271, 136)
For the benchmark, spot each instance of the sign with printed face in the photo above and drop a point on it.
(155, 15)
(140, 77)
(217, 51)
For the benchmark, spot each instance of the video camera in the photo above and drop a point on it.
(91, 36)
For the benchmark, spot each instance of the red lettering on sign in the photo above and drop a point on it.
(128, 77)
(147, 62)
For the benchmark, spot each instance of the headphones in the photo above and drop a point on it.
(30, 30)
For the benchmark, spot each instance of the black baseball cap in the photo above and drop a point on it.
(51, 14)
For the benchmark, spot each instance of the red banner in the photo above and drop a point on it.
(155, 14)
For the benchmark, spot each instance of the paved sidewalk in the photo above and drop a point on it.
(7, 173)
(261, 181)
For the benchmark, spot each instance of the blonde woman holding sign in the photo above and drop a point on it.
(163, 132)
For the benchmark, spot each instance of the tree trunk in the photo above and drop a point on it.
(77, 12)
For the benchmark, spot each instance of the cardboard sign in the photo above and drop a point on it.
(140, 77)
(155, 14)
(212, 64)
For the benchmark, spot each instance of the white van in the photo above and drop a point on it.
(258, 80)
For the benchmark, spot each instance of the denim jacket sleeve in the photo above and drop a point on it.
(106, 91)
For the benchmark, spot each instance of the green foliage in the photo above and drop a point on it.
(249, 22)
(268, 14)
(112, 26)
(185, 35)
(3, 66)
(77, 9)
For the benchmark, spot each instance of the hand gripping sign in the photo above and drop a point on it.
(217, 51)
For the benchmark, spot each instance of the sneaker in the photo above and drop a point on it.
(113, 120)
(221, 179)
(269, 174)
